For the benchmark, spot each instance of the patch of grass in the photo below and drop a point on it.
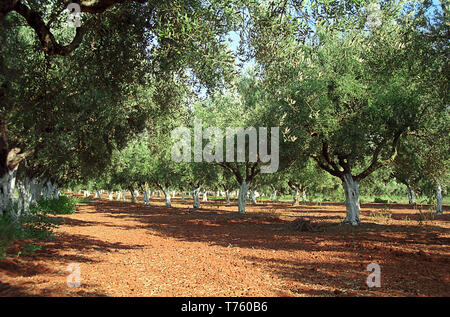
(81, 200)
(37, 225)
(426, 217)
(33, 227)
(383, 216)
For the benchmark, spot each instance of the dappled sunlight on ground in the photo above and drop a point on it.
(126, 249)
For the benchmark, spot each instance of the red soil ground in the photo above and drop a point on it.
(126, 249)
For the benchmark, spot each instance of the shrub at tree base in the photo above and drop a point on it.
(61, 206)
(33, 227)
(36, 226)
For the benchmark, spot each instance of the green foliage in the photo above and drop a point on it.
(60, 206)
(32, 228)
(380, 201)
(37, 225)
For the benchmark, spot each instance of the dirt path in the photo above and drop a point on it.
(125, 249)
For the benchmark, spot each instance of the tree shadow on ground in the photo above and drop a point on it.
(260, 229)
(9, 289)
(35, 264)
(347, 275)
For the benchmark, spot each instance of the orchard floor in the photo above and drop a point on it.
(125, 249)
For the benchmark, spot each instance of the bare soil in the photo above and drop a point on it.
(126, 249)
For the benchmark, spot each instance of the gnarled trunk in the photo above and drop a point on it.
(351, 190)
(243, 189)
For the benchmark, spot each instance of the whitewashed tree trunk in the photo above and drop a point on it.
(242, 197)
(351, 190)
(123, 195)
(7, 186)
(145, 197)
(133, 196)
(110, 195)
(47, 190)
(182, 196)
(439, 200)
(296, 196)
(205, 195)
(274, 195)
(411, 198)
(252, 196)
(118, 195)
(36, 190)
(173, 194)
(227, 196)
(24, 187)
(99, 194)
(167, 197)
(196, 197)
(151, 195)
(304, 195)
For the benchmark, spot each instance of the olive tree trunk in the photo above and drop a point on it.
(196, 197)
(7, 186)
(133, 196)
(167, 197)
(351, 190)
(411, 196)
(252, 196)
(243, 189)
(296, 196)
(439, 200)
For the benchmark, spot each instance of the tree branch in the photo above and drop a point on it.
(375, 163)
(48, 41)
